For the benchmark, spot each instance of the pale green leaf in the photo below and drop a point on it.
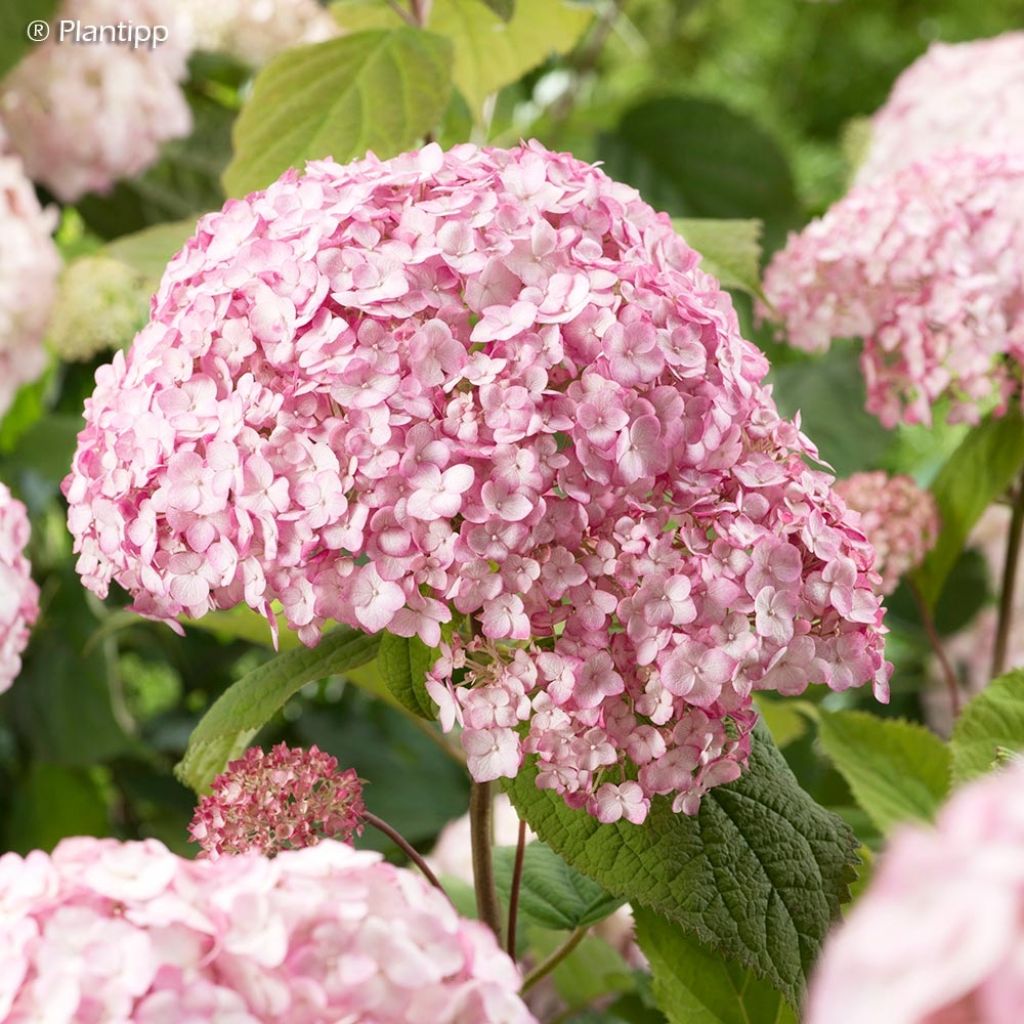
(592, 970)
(504, 9)
(730, 250)
(244, 708)
(694, 986)
(757, 875)
(976, 474)
(404, 663)
(380, 90)
(785, 718)
(149, 251)
(898, 771)
(989, 727)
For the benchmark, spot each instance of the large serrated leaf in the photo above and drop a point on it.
(245, 707)
(730, 249)
(757, 875)
(553, 894)
(380, 90)
(897, 770)
(976, 474)
(492, 51)
(989, 727)
(404, 663)
(694, 986)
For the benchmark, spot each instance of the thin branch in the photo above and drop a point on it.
(948, 672)
(1009, 584)
(405, 846)
(405, 15)
(480, 830)
(545, 967)
(517, 881)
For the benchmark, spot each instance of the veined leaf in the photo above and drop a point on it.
(730, 249)
(989, 728)
(404, 663)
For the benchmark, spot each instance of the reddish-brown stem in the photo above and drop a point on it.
(948, 672)
(1009, 582)
(480, 830)
(405, 846)
(513, 897)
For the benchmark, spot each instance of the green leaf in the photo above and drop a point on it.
(757, 875)
(990, 724)
(150, 250)
(55, 801)
(552, 893)
(694, 986)
(898, 771)
(245, 707)
(730, 249)
(379, 90)
(504, 9)
(975, 475)
(404, 663)
(784, 718)
(15, 18)
(491, 52)
(699, 158)
(591, 971)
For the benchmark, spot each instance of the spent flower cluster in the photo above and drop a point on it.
(949, 903)
(486, 395)
(899, 519)
(287, 799)
(19, 596)
(104, 930)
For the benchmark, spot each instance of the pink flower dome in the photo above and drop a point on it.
(19, 596)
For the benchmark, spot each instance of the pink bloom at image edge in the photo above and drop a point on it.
(19, 596)
(938, 936)
(925, 266)
(487, 385)
(899, 519)
(105, 930)
(287, 798)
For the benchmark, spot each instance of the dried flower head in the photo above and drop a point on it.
(287, 799)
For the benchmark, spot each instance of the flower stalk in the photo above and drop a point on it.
(1009, 581)
(481, 823)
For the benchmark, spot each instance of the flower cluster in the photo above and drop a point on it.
(256, 30)
(925, 266)
(101, 303)
(960, 96)
(104, 930)
(490, 389)
(285, 800)
(899, 519)
(938, 936)
(82, 117)
(19, 596)
(29, 265)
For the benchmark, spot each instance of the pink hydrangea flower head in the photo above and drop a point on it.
(29, 265)
(258, 30)
(105, 930)
(490, 392)
(926, 267)
(938, 936)
(19, 596)
(286, 799)
(82, 116)
(899, 519)
(957, 96)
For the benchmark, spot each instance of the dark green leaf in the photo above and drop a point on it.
(694, 986)
(989, 726)
(55, 801)
(404, 663)
(976, 474)
(897, 771)
(379, 90)
(758, 875)
(15, 18)
(553, 894)
(245, 707)
(730, 250)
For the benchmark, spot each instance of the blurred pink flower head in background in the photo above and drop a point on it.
(490, 389)
(19, 596)
(105, 930)
(938, 938)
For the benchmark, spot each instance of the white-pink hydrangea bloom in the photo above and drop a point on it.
(899, 518)
(110, 931)
(490, 389)
(957, 96)
(82, 116)
(938, 938)
(256, 30)
(29, 265)
(19, 596)
(927, 266)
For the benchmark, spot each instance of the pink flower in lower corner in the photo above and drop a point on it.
(938, 938)
(105, 930)
(19, 596)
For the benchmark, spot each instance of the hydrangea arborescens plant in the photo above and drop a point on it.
(948, 901)
(105, 930)
(959, 96)
(490, 391)
(19, 596)
(925, 266)
(84, 116)
(900, 520)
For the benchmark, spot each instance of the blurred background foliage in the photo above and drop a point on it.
(713, 108)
